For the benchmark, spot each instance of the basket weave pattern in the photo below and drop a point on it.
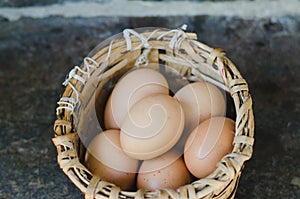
(192, 60)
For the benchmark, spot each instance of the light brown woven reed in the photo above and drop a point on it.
(192, 60)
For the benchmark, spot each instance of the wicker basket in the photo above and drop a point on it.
(164, 50)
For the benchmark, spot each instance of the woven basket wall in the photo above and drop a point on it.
(157, 48)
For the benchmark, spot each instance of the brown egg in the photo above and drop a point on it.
(152, 127)
(166, 171)
(131, 88)
(207, 144)
(200, 101)
(105, 159)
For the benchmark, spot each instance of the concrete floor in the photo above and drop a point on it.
(37, 53)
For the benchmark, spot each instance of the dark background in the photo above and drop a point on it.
(36, 55)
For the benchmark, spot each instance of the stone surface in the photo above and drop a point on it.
(36, 55)
(24, 3)
(18, 3)
(138, 8)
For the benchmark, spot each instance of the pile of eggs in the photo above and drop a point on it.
(154, 140)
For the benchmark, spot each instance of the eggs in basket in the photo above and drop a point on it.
(154, 138)
(154, 113)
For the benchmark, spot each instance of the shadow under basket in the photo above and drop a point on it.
(181, 59)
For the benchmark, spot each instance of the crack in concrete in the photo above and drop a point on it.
(121, 8)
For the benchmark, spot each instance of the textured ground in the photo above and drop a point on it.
(36, 55)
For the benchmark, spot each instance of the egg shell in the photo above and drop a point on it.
(131, 88)
(152, 127)
(200, 101)
(105, 159)
(207, 144)
(166, 171)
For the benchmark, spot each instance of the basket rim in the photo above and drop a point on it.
(66, 138)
